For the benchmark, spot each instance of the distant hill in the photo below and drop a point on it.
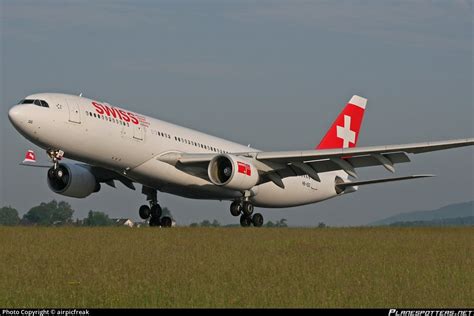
(458, 221)
(451, 211)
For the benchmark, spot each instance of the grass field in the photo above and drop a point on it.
(236, 267)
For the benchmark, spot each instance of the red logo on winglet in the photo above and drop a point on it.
(244, 168)
(30, 156)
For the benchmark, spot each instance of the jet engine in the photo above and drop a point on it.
(232, 172)
(72, 180)
(345, 190)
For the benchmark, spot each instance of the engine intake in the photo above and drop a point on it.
(72, 180)
(232, 172)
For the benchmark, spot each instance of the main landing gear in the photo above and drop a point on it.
(245, 210)
(153, 212)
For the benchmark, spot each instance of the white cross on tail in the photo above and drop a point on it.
(345, 133)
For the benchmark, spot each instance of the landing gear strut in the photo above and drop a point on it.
(153, 212)
(245, 210)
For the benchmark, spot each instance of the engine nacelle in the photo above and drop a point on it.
(232, 172)
(339, 190)
(72, 180)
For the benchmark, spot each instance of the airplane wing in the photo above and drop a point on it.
(416, 148)
(34, 165)
(274, 166)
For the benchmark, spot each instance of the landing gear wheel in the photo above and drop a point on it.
(247, 209)
(245, 221)
(257, 220)
(144, 212)
(156, 211)
(166, 221)
(236, 208)
(155, 221)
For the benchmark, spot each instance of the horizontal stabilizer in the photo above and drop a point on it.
(358, 183)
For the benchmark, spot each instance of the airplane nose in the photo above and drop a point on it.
(15, 115)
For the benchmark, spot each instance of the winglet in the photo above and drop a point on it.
(30, 157)
(30, 160)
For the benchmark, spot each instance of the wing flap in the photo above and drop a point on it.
(358, 162)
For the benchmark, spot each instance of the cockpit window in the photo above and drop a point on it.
(36, 102)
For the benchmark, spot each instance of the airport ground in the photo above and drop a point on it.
(236, 267)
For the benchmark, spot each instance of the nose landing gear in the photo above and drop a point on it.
(55, 155)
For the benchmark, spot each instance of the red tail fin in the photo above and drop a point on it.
(344, 132)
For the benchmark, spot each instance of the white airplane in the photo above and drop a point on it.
(116, 144)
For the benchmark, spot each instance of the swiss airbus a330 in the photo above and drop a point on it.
(114, 144)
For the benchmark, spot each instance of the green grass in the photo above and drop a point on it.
(218, 267)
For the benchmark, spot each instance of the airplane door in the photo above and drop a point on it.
(74, 113)
(138, 132)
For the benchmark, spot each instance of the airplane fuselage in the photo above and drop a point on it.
(131, 144)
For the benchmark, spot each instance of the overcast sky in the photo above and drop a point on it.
(273, 74)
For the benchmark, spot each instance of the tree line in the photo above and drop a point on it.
(55, 213)
(52, 214)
